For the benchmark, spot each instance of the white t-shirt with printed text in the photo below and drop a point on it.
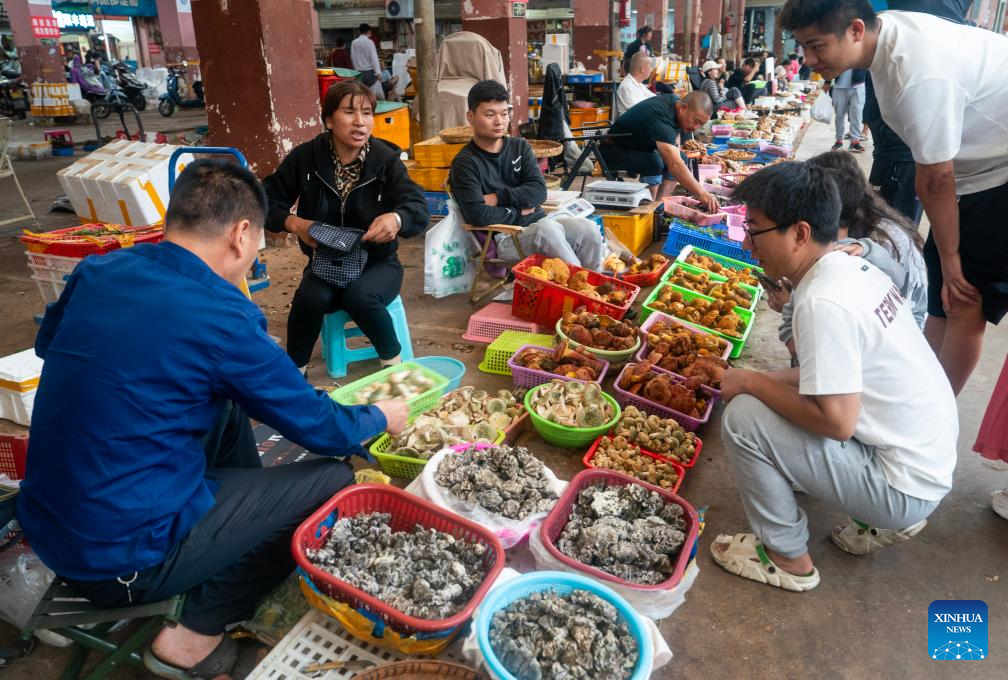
(854, 333)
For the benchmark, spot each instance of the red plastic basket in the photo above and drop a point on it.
(544, 302)
(530, 377)
(13, 455)
(697, 448)
(406, 511)
(649, 279)
(678, 467)
(67, 242)
(556, 520)
(689, 423)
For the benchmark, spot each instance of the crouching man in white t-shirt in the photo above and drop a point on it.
(866, 423)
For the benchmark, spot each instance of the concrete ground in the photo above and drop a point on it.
(868, 618)
(82, 128)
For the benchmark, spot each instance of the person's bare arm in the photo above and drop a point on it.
(676, 166)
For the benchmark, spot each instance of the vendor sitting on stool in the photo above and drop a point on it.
(496, 180)
(354, 199)
(866, 423)
(144, 480)
(655, 127)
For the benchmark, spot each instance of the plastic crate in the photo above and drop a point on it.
(406, 512)
(584, 78)
(391, 123)
(434, 153)
(562, 583)
(54, 262)
(554, 523)
(431, 179)
(736, 343)
(723, 260)
(437, 202)
(755, 293)
(634, 231)
(686, 208)
(544, 302)
(569, 437)
(452, 369)
(67, 243)
(405, 467)
(688, 465)
(495, 359)
(49, 290)
(680, 236)
(689, 423)
(657, 317)
(417, 405)
(679, 469)
(530, 377)
(649, 279)
(13, 455)
(488, 323)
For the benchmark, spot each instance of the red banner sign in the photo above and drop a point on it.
(153, 48)
(45, 27)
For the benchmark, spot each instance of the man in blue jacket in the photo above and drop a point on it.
(144, 480)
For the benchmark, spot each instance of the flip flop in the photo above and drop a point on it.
(221, 661)
(746, 557)
(250, 654)
(858, 538)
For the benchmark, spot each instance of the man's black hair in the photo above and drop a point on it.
(211, 195)
(643, 31)
(793, 192)
(487, 91)
(364, 28)
(341, 42)
(749, 61)
(828, 16)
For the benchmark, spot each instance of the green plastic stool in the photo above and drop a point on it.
(338, 326)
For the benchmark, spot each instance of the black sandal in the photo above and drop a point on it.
(221, 661)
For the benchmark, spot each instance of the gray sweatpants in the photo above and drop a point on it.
(848, 103)
(575, 240)
(769, 454)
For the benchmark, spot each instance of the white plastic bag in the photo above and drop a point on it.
(654, 604)
(822, 108)
(449, 267)
(23, 582)
(511, 532)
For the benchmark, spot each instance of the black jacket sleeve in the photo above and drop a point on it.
(282, 190)
(532, 192)
(410, 202)
(468, 191)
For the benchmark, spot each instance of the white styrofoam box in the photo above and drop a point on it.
(17, 406)
(73, 91)
(20, 370)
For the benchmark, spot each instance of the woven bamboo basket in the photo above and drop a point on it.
(552, 181)
(422, 670)
(544, 148)
(456, 135)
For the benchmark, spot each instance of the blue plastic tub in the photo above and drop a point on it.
(452, 369)
(562, 583)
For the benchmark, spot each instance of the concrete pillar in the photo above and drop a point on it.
(38, 61)
(492, 19)
(710, 15)
(652, 13)
(258, 68)
(178, 36)
(591, 32)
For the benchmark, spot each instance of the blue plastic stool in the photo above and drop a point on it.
(338, 326)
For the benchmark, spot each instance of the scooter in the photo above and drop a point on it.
(131, 86)
(171, 99)
(91, 88)
(14, 101)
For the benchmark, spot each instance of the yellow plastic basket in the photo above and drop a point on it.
(403, 466)
(507, 343)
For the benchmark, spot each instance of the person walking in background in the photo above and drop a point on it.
(364, 56)
(641, 44)
(848, 93)
(339, 57)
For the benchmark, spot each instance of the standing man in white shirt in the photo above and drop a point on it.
(866, 423)
(941, 88)
(364, 56)
(633, 90)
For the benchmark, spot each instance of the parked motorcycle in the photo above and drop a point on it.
(171, 99)
(131, 86)
(91, 87)
(14, 101)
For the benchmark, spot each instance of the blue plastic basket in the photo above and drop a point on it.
(680, 237)
(437, 202)
(452, 369)
(562, 583)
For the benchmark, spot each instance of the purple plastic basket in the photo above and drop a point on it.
(530, 377)
(655, 317)
(624, 399)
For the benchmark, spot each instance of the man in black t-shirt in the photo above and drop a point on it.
(740, 78)
(641, 44)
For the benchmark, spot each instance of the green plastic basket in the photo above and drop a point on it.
(417, 405)
(569, 437)
(736, 343)
(720, 259)
(402, 466)
(507, 343)
(756, 293)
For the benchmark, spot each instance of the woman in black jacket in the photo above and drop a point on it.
(354, 199)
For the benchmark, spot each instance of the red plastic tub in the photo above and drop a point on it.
(689, 423)
(69, 242)
(544, 302)
(679, 467)
(687, 465)
(556, 520)
(407, 511)
(649, 279)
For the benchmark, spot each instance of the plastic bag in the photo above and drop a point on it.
(449, 267)
(654, 604)
(23, 582)
(822, 109)
(511, 532)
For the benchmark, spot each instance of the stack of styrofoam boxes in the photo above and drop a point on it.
(50, 100)
(19, 378)
(50, 273)
(123, 182)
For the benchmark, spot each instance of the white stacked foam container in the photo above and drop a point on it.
(124, 182)
(19, 377)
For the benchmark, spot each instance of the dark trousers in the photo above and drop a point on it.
(365, 300)
(895, 182)
(632, 161)
(241, 549)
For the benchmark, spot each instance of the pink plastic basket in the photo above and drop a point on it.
(530, 377)
(689, 423)
(685, 207)
(489, 322)
(556, 520)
